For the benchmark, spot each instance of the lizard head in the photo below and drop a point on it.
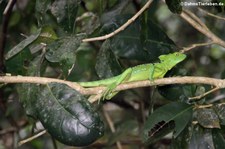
(172, 59)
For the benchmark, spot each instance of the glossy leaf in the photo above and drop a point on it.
(41, 7)
(65, 13)
(218, 139)
(179, 113)
(208, 118)
(174, 6)
(22, 45)
(28, 92)
(177, 92)
(63, 51)
(68, 116)
(183, 139)
(107, 65)
(13, 65)
(114, 12)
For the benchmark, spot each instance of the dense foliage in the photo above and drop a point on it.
(45, 38)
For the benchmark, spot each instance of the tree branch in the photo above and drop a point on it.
(124, 26)
(185, 49)
(198, 24)
(219, 83)
(210, 14)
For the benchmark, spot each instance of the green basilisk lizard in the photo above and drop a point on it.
(142, 72)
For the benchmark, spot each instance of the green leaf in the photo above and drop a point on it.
(15, 65)
(183, 139)
(28, 92)
(208, 118)
(201, 138)
(115, 11)
(220, 111)
(174, 6)
(218, 139)
(107, 65)
(130, 44)
(65, 13)
(178, 113)
(178, 92)
(41, 7)
(63, 51)
(22, 45)
(68, 116)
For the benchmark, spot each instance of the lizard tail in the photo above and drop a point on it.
(104, 82)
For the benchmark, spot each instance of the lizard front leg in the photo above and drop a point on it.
(151, 72)
(109, 93)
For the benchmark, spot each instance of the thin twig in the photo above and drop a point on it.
(210, 14)
(122, 27)
(111, 126)
(203, 106)
(185, 49)
(197, 25)
(205, 94)
(32, 138)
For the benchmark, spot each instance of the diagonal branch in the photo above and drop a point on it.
(197, 24)
(210, 14)
(124, 26)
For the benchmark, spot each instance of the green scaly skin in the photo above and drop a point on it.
(142, 72)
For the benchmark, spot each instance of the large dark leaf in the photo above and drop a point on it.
(115, 11)
(182, 140)
(107, 64)
(130, 44)
(174, 113)
(65, 13)
(200, 138)
(218, 139)
(68, 116)
(28, 92)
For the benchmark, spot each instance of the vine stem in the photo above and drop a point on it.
(124, 26)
